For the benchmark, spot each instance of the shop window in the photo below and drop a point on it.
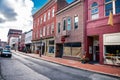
(51, 42)
(113, 6)
(112, 50)
(94, 11)
(51, 49)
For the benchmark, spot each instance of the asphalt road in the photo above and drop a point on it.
(21, 67)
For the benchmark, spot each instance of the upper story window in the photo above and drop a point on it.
(34, 24)
(113, 6)
(76, 22)
(64, 24)
(59, 27)
(53, 12)
(94, 11)
(69, 23)
(44, 31)
(48, 14)
(38, 22)
(41, 20)
(48, 29)
(37, 33)
(52, 28)
(44, 17)
(41, 32)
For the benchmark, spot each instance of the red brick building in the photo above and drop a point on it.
(13, 38)
(22, 42)
(70, 30)
(103, 40)
(44, 27)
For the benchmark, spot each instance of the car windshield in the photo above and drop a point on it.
(6, 50)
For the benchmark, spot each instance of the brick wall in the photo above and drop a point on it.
(75, 35)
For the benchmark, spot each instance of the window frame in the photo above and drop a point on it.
(52, 28)
(53, 12)
(94, 11)
(114, 7)
(75, 22)
(58, 28)
(49, 15)
(69, 24)
(64, 24)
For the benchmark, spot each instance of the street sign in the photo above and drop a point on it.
(63, 39)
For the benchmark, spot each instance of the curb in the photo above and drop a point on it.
(1, 77)
(98, 72)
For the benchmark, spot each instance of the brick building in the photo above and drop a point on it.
(102, 40)
(44, 27)
(22, 42)
(13, 38)
(70, 30)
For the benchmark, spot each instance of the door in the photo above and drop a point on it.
(59, 49)
(95, 49)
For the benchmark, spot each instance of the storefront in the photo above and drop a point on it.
(50, 47)
(111, 45)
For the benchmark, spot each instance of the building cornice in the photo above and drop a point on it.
(67, 7)
(44, 8)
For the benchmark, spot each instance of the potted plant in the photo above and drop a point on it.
(84, 59)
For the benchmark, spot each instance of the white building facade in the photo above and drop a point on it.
(28, 42)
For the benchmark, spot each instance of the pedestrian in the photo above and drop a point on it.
(40, 52)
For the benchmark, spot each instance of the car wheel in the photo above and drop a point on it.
(10, 56)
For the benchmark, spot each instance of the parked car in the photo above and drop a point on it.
(6, 53)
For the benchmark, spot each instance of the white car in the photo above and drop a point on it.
(6, 53)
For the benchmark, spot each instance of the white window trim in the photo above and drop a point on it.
(48, 14)
(41, 20)
(74, 22)
(53, 12)
(45, 17)
(113, 3)
(94, 13)
(52, 28)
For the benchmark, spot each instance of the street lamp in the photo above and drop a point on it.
(40, 44)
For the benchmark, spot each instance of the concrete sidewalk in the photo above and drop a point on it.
(102, 69)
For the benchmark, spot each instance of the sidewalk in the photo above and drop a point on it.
(102, 69)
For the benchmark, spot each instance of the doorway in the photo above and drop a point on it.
(96, 48)
(59, 48)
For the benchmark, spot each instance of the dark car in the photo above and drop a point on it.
(6, 53)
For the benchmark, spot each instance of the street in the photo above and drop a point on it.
(21, 67)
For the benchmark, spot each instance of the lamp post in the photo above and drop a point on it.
(40, 45)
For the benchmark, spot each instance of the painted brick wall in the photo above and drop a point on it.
(100, 26)
(75, 35)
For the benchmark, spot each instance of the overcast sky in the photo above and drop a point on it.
(17, 14)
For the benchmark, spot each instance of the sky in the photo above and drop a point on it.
(17, 14)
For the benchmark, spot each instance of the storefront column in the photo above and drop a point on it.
(101, 49)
